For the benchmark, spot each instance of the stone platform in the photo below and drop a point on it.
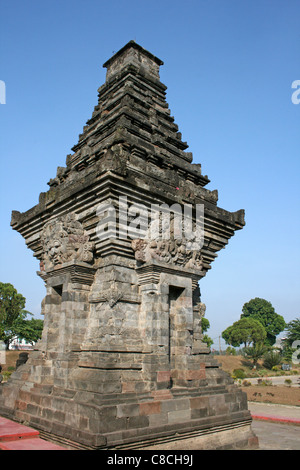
(213, 414)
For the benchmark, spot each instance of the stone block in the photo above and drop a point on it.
(179, 416)
(137, 422)
(32, 409)
(199, 402)
(161, 394)
(163, 376)
(199, 413)
(157, 420)
(149, 408)
(127, 387)
(21, 405)
(175, 405)
(127, 410)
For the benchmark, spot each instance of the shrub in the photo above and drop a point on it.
(264, 382)
(262, 372)
(246, 383)
(271, 359)
(230, 351)
(267, 382)
(6, 374)
(239, 374)
(288, 382)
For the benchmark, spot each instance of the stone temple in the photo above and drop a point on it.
(122, 363)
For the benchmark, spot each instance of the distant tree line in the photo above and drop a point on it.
(257, 329)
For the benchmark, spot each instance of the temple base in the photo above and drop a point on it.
(213, 415)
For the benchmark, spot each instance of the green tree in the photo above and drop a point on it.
(13, 317)
(244, 331)
(12, 306)
(230, 351)
(205, 325)
(264, 312)
(292, 332)
(207, 339)
(30, 330)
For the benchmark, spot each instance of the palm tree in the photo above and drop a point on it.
(254, 352)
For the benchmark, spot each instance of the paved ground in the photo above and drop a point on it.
(276, 436)
(277, 411)
(278, 427)
(280, 380)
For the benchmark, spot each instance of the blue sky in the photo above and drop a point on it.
(229, 66)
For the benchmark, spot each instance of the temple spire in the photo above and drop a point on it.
(133, 54)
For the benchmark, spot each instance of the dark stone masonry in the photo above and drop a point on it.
(122, 362)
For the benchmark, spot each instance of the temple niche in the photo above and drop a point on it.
(122, 362)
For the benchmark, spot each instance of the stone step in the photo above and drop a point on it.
(9, 430)
(16, 436)
(29, 444)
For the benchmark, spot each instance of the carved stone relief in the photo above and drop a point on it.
(168, 251)
(64, 239)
